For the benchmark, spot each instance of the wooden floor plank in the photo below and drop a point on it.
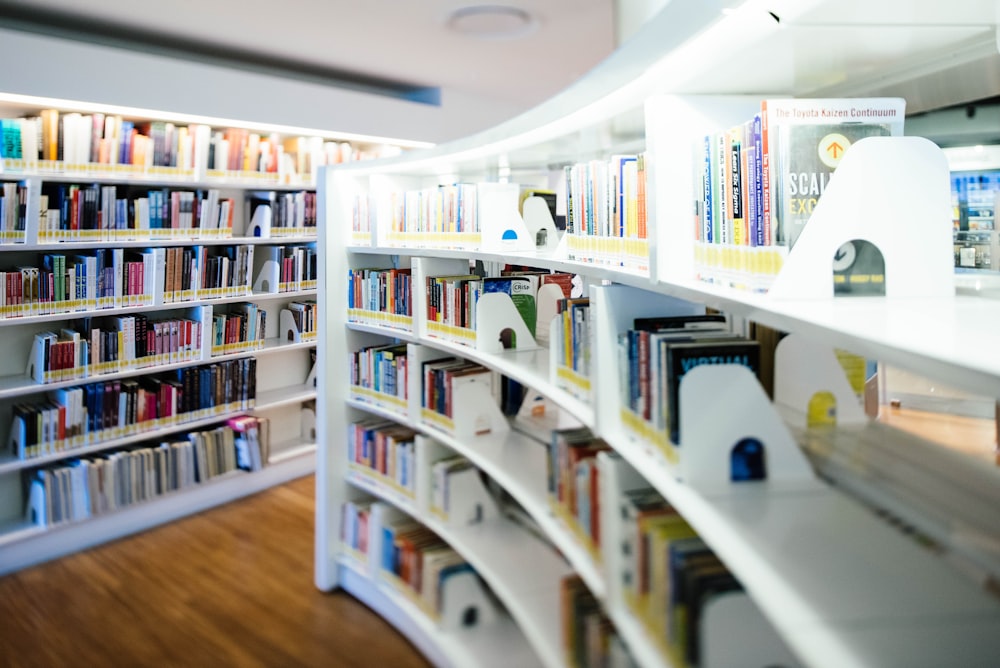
(232, 586)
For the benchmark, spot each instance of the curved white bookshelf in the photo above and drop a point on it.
(841, 586)
(498, 550)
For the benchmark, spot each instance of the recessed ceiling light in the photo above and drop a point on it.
(492, 21)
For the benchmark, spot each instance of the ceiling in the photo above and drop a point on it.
(403, 47)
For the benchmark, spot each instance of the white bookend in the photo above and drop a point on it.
(426, 452)
(895, 193)
(476, 412)
(502, 228)
(464, 603)
(288, 331)
(724, 409)
(733, 632)
(615, 477)
(269, 274)
(809, 380)
(538, 221)
(308, 418)
(467, 500)
(546, 308)
(204, 315)
(496, 319)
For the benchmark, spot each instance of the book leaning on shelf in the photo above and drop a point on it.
(759, 181)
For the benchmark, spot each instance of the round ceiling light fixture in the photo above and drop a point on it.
(492, 22)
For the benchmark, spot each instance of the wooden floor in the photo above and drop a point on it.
(232, 586)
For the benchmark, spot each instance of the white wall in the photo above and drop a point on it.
(54, 67)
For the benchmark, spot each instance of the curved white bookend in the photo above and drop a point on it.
(287, 329)
(733, 632)
(464, 603)
(260, 222)
(546, 308)
(476, 412)
(496, 318)
(538, 220)
(308, 421)
(721, 405)
(500, 223)
(802, 369)
(893, 192)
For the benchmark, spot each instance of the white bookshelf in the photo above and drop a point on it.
(836, 583)
(283, 383)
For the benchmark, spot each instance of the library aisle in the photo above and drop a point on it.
(231, 586)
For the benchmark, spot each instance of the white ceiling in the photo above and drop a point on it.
(406, 41)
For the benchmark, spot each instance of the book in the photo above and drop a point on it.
(682, 356)
(522, 291)
(808, 139)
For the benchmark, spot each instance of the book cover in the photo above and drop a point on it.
(522, 290)
(681, 357)
(809, 138)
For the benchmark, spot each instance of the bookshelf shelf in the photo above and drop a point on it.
(26, 544)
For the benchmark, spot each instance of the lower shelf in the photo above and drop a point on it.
(500, 644)
(23, 547)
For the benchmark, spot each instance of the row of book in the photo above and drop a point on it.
(573, 481)
(443, 209)
(94, 413)
(383, 290)
(305, 318)
(95, 212)
(420, 560)
(298, 266)
(291, 211)
(206, 272)
(453, 300)
(104, 278)
(589, 637)
(240, 328)
(381, 368)
(13, 212)
(110, 345)
(78, 139)
(109, 278)
(606, 216)
(384, 449)
(96, 485)
(574, 335)
(444, 379)
(669, 574)
(656, 353)
(759, 181)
